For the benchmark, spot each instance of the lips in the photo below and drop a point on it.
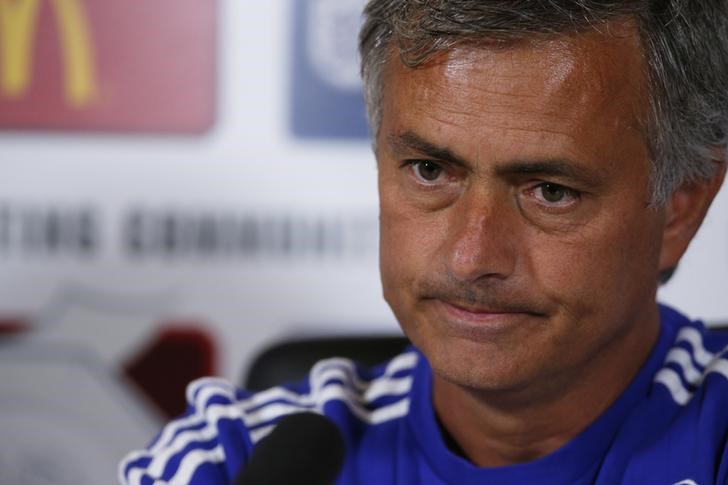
(479, 310)
(477, 313)
(478, 322)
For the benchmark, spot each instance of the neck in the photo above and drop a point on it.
(498, 428)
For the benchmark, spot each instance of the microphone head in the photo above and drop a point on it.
(303, 448)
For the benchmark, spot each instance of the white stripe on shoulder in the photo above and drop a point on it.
(695, 339)
(341, 368)
(333, 379)
(192, 461)
(718, 365)
(134, 478)
(671, 380)
(376, 416)
(121, 469)
(172, 438)
(261, 398)
(199, 392)
(214, 413)
(207, 382)
(273, 411)
(161, 456)
(405, 361)
(682, 358)
(381, 415)
(326, 370)
(712, 363)
(381, 388)
(260, 433)
(336, 380)
(330, 368)
(374, 389)
(330, 392)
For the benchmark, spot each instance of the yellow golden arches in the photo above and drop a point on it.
(17, 32)
(18, 26)
(80, 75)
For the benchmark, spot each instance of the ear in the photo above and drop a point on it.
(685, 212)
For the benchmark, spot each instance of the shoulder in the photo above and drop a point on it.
(696, 363)
(343, 391)
(222, 425)
(690, 401)
(195, 440)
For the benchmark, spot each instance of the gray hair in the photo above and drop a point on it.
(685, 44)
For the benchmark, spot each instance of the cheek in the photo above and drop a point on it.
(397, 250)
(607, 264)
(408, 245)
(571, 273)
(392, 242)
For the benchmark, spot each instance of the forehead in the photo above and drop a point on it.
(578, 91)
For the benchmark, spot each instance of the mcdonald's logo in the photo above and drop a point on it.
(18, 19)
(100, 65)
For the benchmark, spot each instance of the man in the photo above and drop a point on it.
(542, 166)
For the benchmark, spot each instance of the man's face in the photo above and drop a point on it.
(517, 241)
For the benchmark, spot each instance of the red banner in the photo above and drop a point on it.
(132, 65)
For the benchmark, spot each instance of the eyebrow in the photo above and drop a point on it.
(411, 141)
(552, 167)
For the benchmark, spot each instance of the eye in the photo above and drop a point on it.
(426, 171)
(554, 195)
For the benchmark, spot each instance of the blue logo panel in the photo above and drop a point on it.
(325, 86)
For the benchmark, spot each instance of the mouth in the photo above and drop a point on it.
(470, 311)
(472, 318)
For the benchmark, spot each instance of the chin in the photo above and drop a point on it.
(476, 365)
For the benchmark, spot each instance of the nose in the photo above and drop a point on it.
(483, 239)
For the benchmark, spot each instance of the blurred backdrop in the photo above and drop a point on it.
(183, 182)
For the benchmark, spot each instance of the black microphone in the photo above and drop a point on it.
(303, 449)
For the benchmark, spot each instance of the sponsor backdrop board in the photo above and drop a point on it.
(202, 166)
(96, 65)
